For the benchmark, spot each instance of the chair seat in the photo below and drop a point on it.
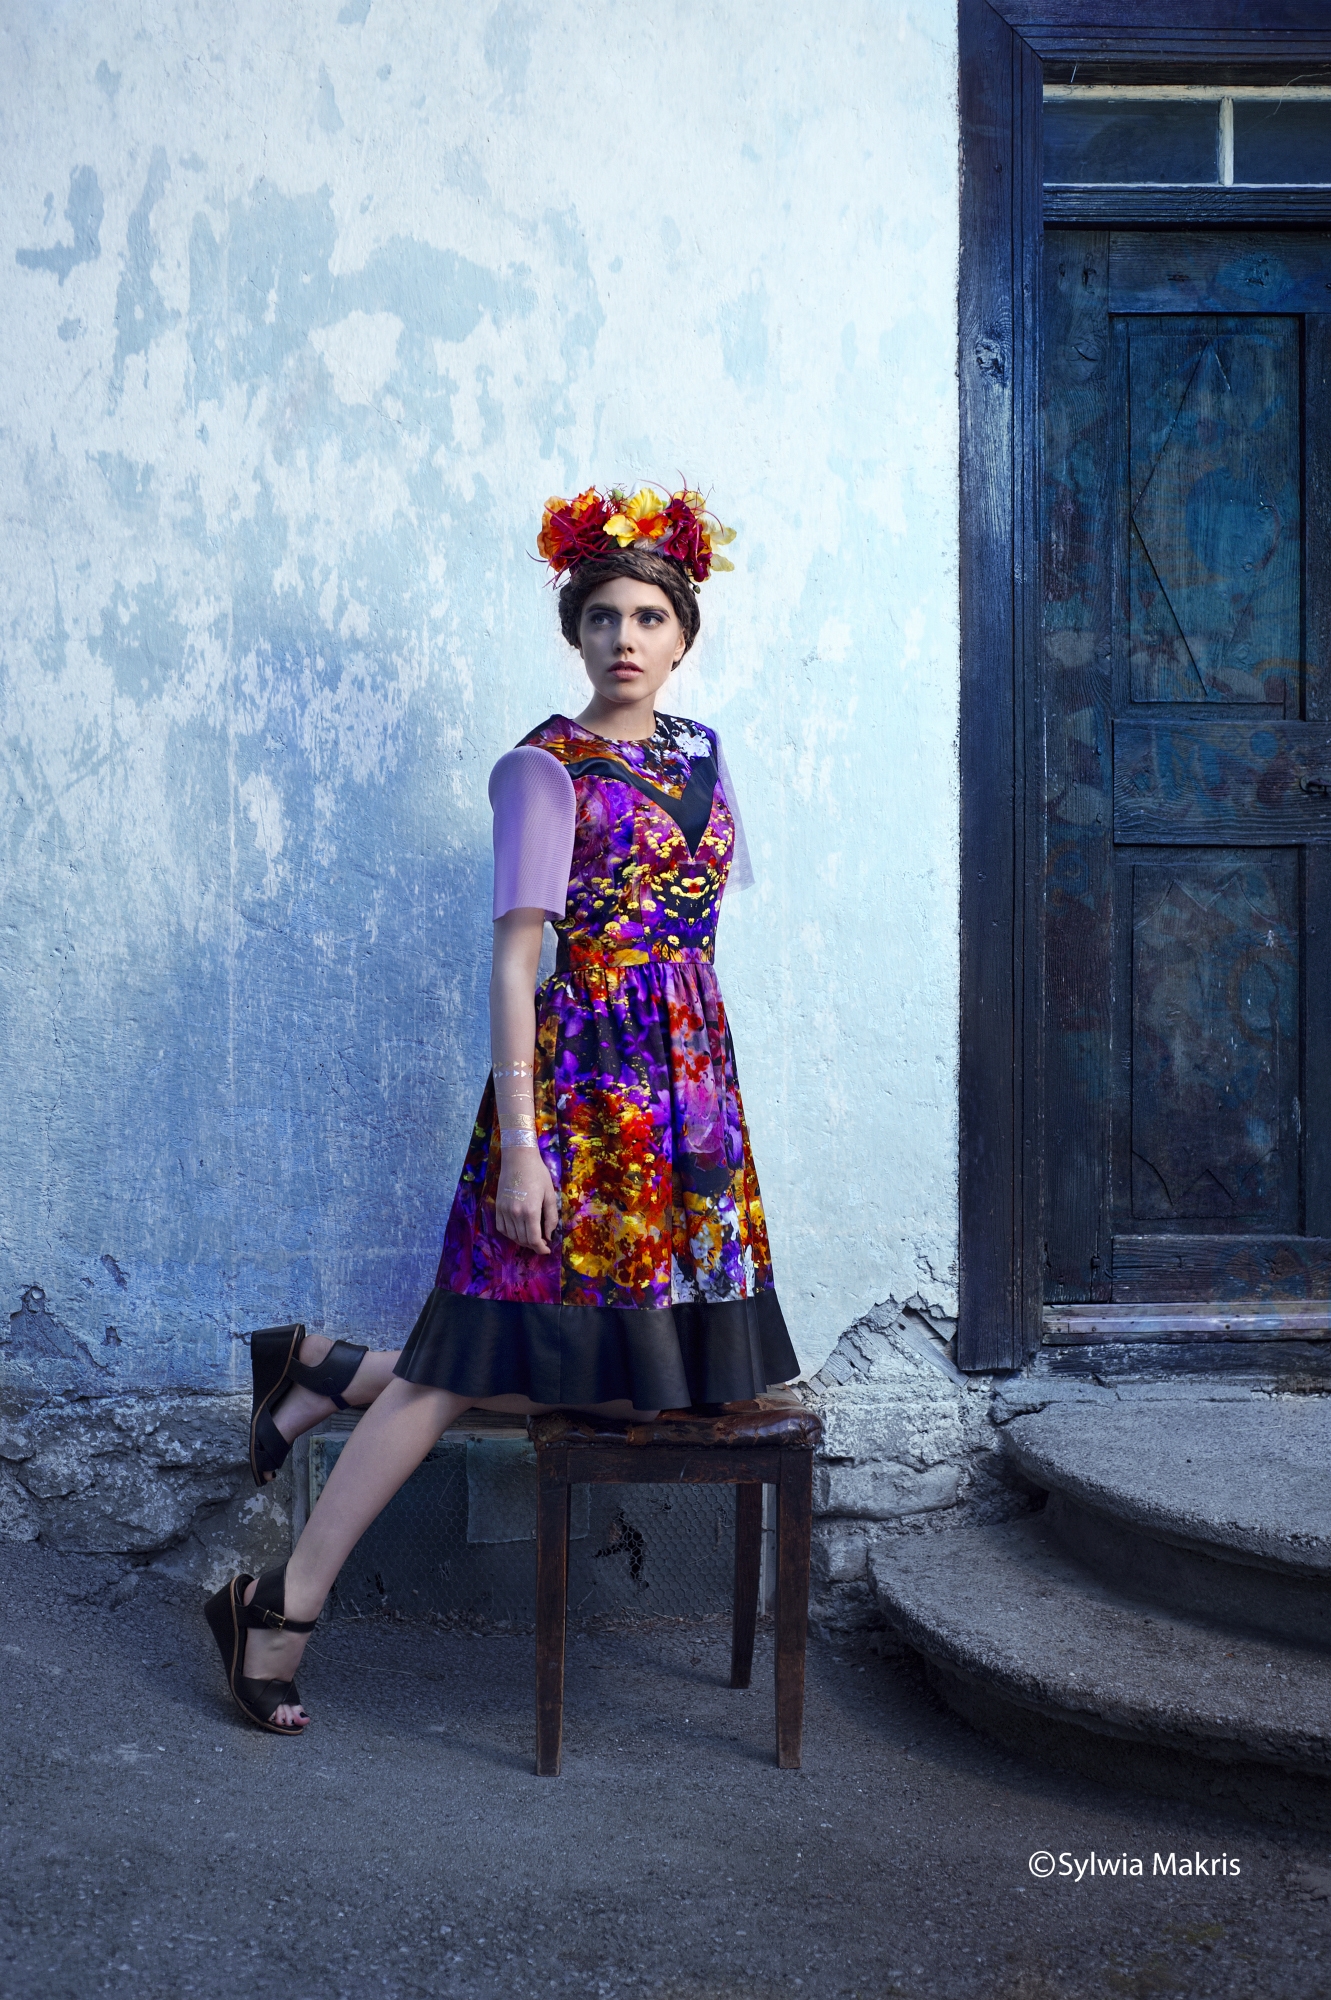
(739, 1426)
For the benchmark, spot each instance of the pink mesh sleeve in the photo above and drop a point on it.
(534, 814)
(741, 867)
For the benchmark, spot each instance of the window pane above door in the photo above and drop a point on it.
(1108, 140)
(1277, 142)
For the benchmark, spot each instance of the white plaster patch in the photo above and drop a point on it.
(834, 640)
(260, 798)
(355, 621)
(359, 352)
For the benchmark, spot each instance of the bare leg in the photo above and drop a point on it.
(382, 1452)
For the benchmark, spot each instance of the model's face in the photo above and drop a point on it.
(630, 639)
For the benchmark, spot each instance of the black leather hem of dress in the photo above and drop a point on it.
(660, 1359)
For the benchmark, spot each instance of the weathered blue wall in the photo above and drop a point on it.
(307, 308)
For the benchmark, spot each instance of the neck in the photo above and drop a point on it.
(620, 721)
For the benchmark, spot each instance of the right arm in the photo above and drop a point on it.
(526, 1206)
(534, 812)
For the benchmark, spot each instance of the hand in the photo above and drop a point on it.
(526, 1205)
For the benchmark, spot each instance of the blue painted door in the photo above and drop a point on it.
(1186, 704)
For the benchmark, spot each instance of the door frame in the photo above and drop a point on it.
(1007, 50)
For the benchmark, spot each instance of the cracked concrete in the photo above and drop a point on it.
(149, 1479)
(909, 1446)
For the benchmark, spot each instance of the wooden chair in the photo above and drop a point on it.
(748, 1446)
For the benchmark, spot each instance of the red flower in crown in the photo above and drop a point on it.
(573, 530)
(595, 525)
(689, 541)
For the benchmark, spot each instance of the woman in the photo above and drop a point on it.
(606, 1248)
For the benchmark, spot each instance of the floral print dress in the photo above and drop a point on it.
(658, 1284)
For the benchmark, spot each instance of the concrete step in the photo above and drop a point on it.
(1222, 1509)
(1028, 1645)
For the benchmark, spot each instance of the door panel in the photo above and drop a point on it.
(1223, 782)
(1188, 769)
(1215, 541)
(1213, 1030)
(1222, 271)
(1151, 1270)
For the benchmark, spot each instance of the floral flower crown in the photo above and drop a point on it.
(595, 525)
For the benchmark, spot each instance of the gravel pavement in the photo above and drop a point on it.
(152, 1845)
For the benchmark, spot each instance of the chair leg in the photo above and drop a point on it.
(793, 1535)
(748, 1561)
(552, 1518)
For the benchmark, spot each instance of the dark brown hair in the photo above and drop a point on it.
(645, 567)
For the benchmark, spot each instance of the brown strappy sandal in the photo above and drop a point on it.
(230, 1618)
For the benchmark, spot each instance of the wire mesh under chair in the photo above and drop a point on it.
(769, 1442)
(458, 1541)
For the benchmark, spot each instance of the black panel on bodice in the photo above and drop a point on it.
(690, 811)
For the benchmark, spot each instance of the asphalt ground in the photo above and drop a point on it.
(154, 1844)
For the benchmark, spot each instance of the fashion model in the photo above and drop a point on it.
(606, 1248)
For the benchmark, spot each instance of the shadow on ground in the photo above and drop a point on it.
(153, 1846)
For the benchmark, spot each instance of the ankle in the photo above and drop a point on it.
(303, 1603)
(313, 1349)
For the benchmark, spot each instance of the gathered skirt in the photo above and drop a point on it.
(657, 1288)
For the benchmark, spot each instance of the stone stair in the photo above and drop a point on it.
(1164, 1620)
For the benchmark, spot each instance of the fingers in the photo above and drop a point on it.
(530, 1223)
(527, 1215)
(513, 1219)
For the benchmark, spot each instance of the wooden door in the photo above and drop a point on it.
(1186, 712)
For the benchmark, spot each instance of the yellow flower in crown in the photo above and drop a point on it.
(641, 519)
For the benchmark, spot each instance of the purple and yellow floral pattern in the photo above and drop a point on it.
(637, 1102)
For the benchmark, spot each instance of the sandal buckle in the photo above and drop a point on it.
(274, 1621)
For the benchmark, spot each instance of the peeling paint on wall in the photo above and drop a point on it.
(331, 303)
(83, 211)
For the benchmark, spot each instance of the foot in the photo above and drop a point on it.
(275, 1656)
